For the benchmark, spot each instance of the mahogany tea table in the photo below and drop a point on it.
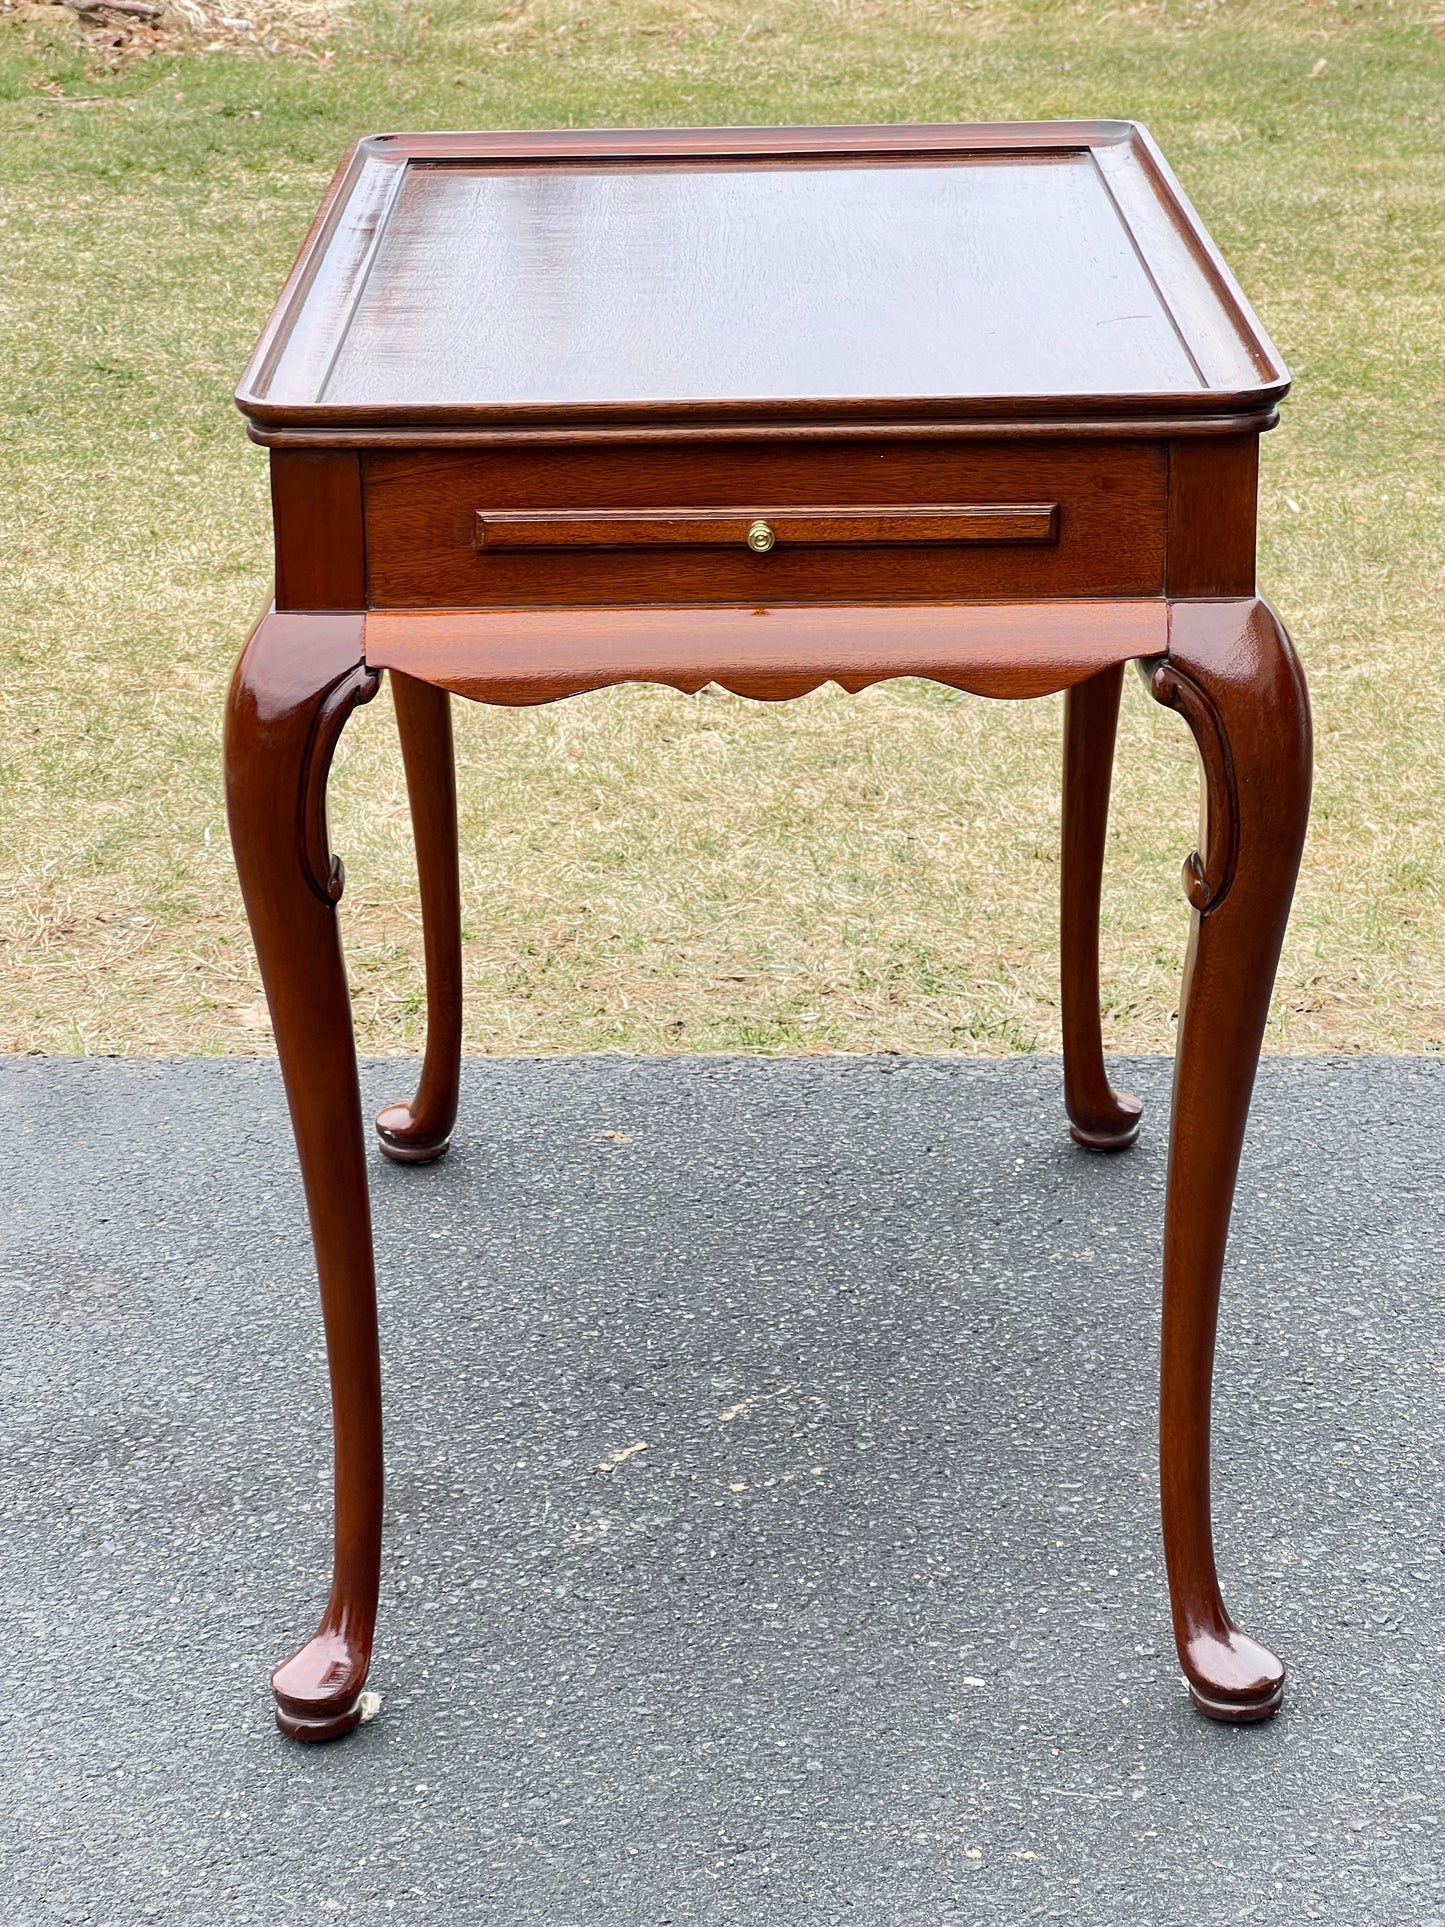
(766, 408)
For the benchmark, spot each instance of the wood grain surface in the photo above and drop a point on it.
(316, 510)
(996, 275)
(519, 656)
(1213, 503)
(421, 511)
(475, 280)
(726, 528)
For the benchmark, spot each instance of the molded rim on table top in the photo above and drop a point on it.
(1241, 376)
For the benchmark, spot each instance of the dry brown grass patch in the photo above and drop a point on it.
(116, 31)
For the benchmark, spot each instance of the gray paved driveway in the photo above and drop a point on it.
(874, 1628)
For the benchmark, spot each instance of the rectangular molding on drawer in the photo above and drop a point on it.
(848, 522)
(760, 529)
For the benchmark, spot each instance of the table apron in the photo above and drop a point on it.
(772, 653)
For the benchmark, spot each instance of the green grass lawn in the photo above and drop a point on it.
(643, 870)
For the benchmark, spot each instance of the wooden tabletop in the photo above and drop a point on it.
(990, 274)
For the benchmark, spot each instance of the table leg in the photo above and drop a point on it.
(421, 1130)
(1100, 1118)
(298, 679)
(1231, 672)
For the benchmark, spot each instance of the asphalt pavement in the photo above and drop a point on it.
(771, 1528)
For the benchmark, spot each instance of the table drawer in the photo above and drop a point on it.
(765, 523)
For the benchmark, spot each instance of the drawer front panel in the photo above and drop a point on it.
(763, 523)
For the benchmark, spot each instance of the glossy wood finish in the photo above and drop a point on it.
(1232, 674)
(735, 527)
(997, 399)
(420, 1130)
(729, 283)
(296, 683)
(1109, 501)
(1055, 271)
(1006, 649)
(320, 536)
(1213, 493)
(1100, 1118)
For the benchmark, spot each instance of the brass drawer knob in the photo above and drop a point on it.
(761, 537)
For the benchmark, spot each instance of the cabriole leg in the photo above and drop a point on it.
(1231, 672)
(1100, 1118)
(421, 1130)
(298, 679)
